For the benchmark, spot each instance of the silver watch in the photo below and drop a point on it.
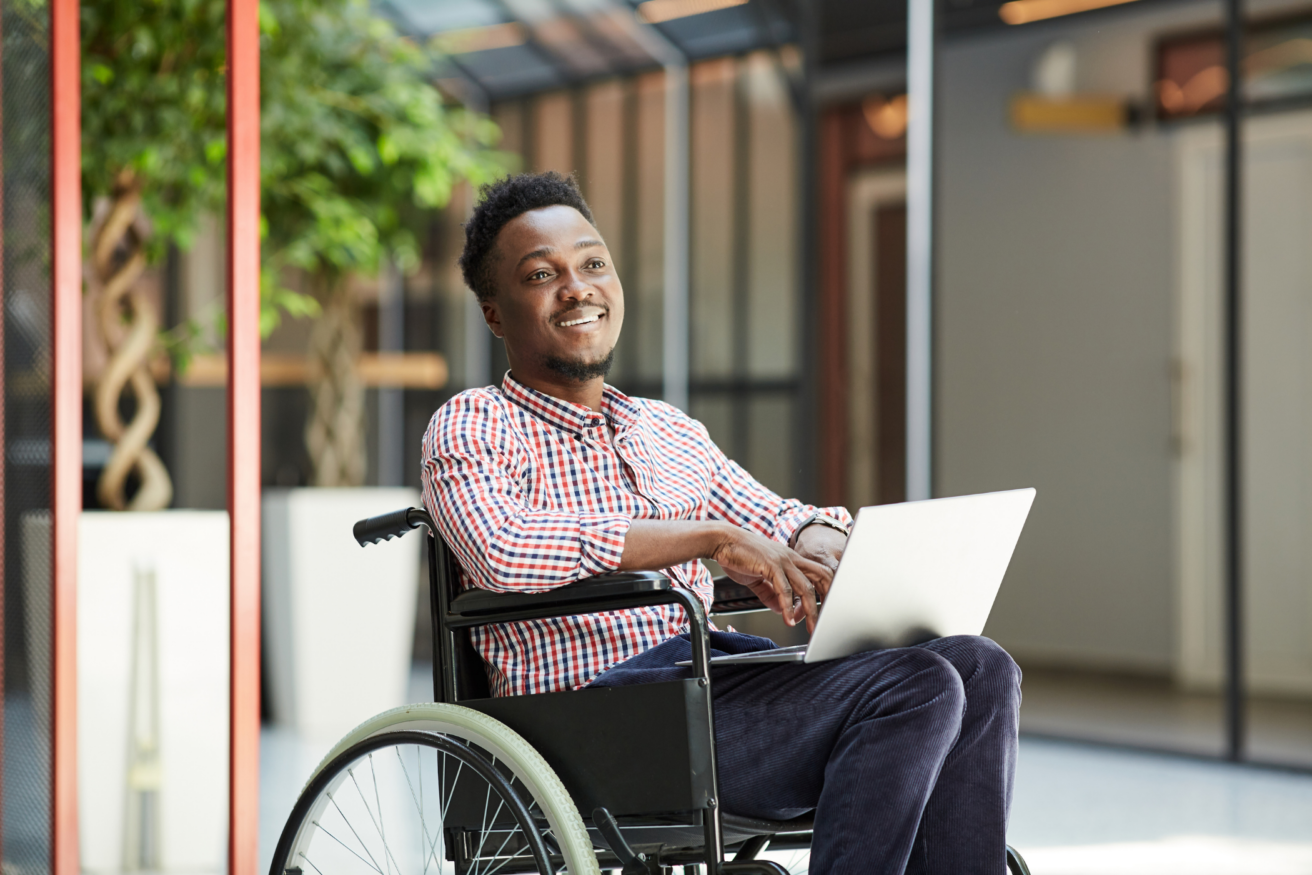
(823, 520)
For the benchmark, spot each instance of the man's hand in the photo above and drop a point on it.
(783, 580)
(822, 544)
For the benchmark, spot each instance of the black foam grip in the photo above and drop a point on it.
(383, 527)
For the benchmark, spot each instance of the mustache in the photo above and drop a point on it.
(559, 315)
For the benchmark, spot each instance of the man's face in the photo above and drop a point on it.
(558, 305)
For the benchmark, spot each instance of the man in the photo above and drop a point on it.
(906, 755)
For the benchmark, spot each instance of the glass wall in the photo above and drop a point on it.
(1079, 333)
(743, 292)
(25, 539)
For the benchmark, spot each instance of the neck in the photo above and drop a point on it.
(588, 394)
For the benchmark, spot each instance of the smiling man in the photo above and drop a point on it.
(906, 756)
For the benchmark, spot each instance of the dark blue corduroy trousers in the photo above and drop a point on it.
(907, 756)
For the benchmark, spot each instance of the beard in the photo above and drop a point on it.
(581, 371)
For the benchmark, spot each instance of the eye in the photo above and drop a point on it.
(538, 275)
(596, 264)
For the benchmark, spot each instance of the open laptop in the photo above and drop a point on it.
(912, 572)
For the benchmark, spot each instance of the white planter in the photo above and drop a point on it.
(338, 618)
(186, 553)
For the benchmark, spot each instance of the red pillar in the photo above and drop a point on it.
(244, 432)
(66, 421)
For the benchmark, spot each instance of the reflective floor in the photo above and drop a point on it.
(1079, 809)
(1154, 713)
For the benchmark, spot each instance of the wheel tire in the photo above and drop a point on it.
(538, 783)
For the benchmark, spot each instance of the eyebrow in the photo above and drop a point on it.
(547, 250)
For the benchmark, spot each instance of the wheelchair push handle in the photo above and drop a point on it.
(387, 526)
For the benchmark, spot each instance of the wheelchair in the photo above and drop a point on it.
(616, 779)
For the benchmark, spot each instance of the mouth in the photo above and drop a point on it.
(576, 318)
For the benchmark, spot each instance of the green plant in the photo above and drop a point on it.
(357, 147)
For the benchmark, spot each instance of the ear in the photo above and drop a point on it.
(492, 316)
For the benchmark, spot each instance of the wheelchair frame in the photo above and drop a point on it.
(665, 800)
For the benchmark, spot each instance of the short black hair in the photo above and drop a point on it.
(499, 203)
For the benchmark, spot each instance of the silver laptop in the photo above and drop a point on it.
(912, 572)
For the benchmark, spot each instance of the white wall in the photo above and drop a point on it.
(1055, 339)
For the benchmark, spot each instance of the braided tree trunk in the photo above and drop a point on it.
(128, 324)
(335, 433)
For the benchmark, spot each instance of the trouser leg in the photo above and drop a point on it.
(964, 826)
(861, 740)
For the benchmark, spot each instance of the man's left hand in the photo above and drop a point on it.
(822, 544)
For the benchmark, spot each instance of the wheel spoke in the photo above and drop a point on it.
(382, 833)
(499, 866)
(351, 827)
(509, 833)
(477, 850)
(387, 852)
(443, 808)
(488, 826)
(373, 866)
(423, 820)
(419, 805)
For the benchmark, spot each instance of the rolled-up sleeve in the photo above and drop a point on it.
(739, 498)
(473, 468)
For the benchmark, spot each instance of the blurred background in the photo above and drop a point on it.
(1078, 341)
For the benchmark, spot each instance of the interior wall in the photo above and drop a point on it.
(1054, 340)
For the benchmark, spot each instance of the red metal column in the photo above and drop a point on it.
(244, 432)
(66, 424)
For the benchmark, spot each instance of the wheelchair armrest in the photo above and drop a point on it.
(603, 587)
(734, 598)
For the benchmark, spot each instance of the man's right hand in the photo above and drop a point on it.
(783, 580)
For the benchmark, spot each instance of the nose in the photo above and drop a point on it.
(576, 288)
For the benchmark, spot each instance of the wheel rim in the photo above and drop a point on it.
(414, 803)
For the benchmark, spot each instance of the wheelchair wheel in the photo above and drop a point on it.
(451, 793)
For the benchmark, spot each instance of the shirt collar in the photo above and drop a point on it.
(616, 407)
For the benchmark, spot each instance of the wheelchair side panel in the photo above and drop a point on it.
(638, 750)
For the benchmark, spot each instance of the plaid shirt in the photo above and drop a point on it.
(532, 493)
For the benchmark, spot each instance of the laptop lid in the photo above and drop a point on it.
(919, 570)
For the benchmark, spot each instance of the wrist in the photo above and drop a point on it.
(715, 537)
(818, 520)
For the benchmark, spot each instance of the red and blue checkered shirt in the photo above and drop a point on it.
(531, 492)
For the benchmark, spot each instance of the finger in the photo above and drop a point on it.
(764, 590)
(819, 575)
(808, 607)
(779, 578)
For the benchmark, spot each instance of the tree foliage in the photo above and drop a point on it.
(153, 104)
(356, 141)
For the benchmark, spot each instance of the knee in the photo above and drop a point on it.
(982, 662)
(926, 681)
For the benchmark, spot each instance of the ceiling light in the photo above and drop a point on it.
(1025, 11)
(656, 11)
(887, 118)
(480, 39)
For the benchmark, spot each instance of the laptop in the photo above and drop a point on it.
(911, 573)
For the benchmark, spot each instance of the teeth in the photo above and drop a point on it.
(583, 321)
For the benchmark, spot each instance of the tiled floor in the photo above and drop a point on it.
(1079, 809)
